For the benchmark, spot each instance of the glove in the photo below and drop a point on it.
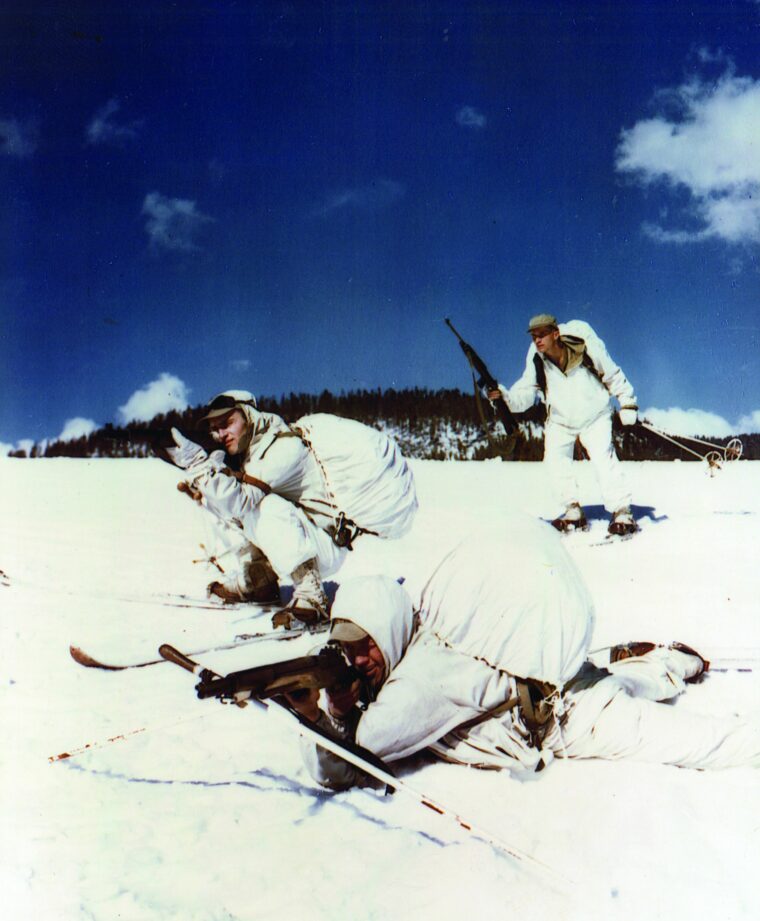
(629, 415)
(187, 453)
(189, 489)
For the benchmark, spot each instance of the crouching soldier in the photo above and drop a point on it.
(297, 498)
(492, 671)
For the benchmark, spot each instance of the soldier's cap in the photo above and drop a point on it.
(541, 319)
(225, 402)
(346, 631)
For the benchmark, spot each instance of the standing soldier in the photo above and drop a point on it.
(569, 367)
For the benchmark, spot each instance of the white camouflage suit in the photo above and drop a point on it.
(578, 406)
(508, 604)
(272, 522)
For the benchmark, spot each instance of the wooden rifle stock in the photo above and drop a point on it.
(326, 669)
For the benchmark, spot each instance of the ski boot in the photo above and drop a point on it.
(699, 668)
(573, 520)
(630, 651)
(694, 670)
(622, 523)
(256, 584)
(309, 603)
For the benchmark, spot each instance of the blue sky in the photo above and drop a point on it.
(292, 195)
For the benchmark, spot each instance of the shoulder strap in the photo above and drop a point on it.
(588, 363)
(250, 480)
(538, 362)
(282, 434)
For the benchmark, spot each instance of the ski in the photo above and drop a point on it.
(609, 539)
(748, 663)
(174, 600)
(585, 537)
(82, 657)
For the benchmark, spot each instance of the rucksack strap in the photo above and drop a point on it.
(536, 699)
(247, 478)
(536, 705)
(538, 363)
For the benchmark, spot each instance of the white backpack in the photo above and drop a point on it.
(366, 476)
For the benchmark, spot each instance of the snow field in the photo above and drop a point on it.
(208, 814)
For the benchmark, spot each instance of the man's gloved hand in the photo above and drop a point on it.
(305, 702)
(629, 415)
(342, 700)
(187, 453)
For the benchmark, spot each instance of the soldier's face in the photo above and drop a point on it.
(366, 658)
(229, 431)
(544, 338)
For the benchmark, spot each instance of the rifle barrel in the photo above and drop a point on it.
(451, 326)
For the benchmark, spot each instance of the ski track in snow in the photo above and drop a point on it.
(208, 814)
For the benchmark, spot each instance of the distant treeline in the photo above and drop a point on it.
(427, 424)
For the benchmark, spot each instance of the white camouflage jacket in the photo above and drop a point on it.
(500, 604)
(577, 397)
(275, 456)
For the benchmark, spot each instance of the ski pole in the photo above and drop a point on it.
(713, 458)
(732, 451)
(372, 765)
(121, 737)
(390, 780)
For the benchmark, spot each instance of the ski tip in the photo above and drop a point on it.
(83, 658)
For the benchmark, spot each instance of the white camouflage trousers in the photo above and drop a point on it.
(596, 438)
(285, 535)
(620, 718)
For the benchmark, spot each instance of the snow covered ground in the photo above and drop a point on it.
(207, 815)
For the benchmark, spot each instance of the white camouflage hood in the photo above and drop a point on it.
(261, 425)
(381, 607)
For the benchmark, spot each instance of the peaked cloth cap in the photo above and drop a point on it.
(541, 319)
(346, 632)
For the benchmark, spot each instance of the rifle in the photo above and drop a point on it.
(486, 380)
(327, 669)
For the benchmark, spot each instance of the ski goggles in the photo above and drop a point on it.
(224, 404)
(542, 332)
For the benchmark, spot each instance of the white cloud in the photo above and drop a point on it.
(469, 117)
(5, 448)
(710, 148)
(241, 364)
(173, 223)
(165, 393)
(78, 427)
(25, 444)
(751, 422)
(18, 139)
(104, 130)
(372, 197)
(698, 422)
